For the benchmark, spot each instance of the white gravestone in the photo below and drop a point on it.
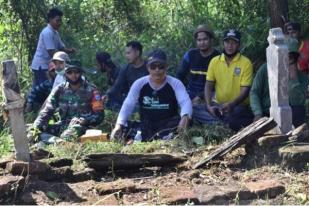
(278, 78)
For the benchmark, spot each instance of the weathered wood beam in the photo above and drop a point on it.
(14, 103)
(248, 134)
(103, 162)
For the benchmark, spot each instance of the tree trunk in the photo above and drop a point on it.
(278, 12)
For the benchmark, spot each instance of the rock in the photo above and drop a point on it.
(221, 194)
(59, 162)
(40, 154)
(3, 162)
(25, 168)
(107, 200)
(192, 174)
(177, 195)
(295, 156)
(9, 184)
(116, 186)
(58, 174)
(140, 198)
(266, 188)
(226, 194)
(272, 140)
(86, 174)
(301, 133)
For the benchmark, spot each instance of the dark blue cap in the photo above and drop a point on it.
(157, 55)
(232, 34)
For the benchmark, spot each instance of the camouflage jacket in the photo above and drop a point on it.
(70, 104)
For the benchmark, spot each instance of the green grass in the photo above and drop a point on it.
(6, 143)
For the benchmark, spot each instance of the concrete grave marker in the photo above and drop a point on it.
(278, 77)
(14, 103)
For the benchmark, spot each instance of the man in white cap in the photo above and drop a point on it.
(60, 59)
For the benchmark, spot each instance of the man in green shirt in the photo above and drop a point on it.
(298, 83)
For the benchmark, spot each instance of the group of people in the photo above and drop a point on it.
(209, 87)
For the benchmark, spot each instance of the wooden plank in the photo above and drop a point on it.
(104, 162)
(14, 104)
(248, 134)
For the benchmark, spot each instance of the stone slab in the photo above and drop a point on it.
(25, 168)
(9, 183)
(266, 188)
(3, 162)
(177, 195)
(272, 140)
(226, 194)
(124, 185)
(39, 154)
(295, 156)
(58, 162)
(86, 174)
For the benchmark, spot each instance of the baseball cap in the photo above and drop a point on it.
(203, 28)
(232, 34)
(292, 45)
(69, 67)
(61, 56)
(157, 55)
(292, 26)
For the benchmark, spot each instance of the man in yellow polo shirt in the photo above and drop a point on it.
(230, 75)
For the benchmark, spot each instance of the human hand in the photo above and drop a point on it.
(117, 132)
(78, 120)
(214, 111)
(227, 108)
(196, 100)
(104, 99)
(183, 123)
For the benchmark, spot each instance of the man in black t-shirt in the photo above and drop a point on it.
(135, 69)
(195, 63)
(158, 96)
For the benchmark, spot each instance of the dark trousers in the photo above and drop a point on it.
(39, 76)
(152, 130)
(240, 117)
(298, 115)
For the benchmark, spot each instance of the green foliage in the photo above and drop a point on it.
(6, 143)
(211, 133)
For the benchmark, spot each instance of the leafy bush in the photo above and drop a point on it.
(6, 142)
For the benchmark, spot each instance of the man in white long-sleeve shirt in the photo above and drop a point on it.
(158, 96)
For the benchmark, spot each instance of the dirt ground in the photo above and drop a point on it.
(165, 185)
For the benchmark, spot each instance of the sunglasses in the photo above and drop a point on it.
(73, 71)
(159, 66)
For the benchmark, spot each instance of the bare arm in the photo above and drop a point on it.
(228, 107)
(209, 87)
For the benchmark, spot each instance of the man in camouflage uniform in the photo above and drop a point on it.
(79, 104)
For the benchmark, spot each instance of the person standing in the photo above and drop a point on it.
(49, 43)
(195, 63)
